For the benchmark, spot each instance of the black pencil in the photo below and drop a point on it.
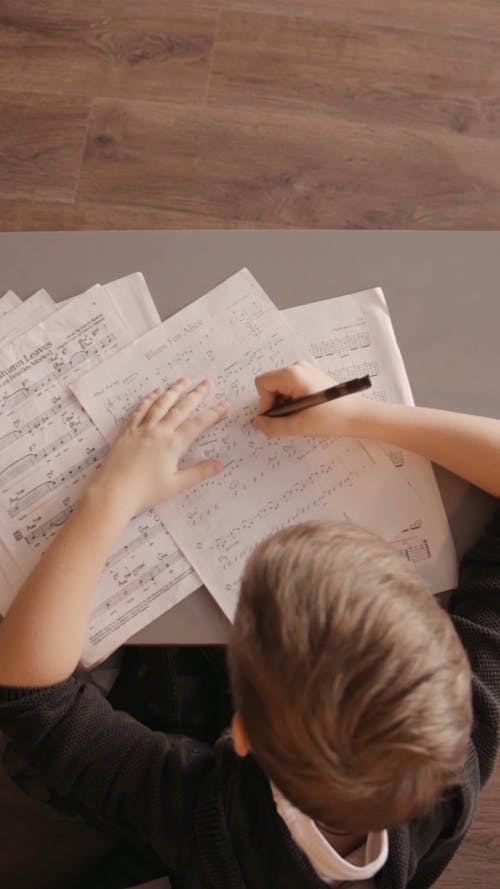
(300, 404)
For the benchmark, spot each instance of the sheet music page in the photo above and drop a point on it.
(351, 336)
(133, 300)
(30, 312)
(8, 301)
(49, 447)
(232, 334)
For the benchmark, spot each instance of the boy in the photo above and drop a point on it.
(351, 756)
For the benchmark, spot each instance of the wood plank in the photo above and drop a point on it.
(470, 18)
(25, 215)
(158, 50)
(229, 167)
(423, 180)
(41, 144)
(478, 859)
(488, 816)
(140, 153)
(274, 168)
(364, 72)
(347, 211)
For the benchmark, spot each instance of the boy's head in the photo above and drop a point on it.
(352, 686)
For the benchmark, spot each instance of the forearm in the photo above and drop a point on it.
(42, 635)
(466, 445)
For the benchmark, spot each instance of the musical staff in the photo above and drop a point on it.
(26, 499)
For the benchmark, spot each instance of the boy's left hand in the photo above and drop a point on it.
(141, 468)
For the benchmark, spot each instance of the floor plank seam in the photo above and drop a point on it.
(82, 153)
(364, 22)
(212, 57)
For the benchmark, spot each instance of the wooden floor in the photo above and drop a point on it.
(256, 113)
(249, 113)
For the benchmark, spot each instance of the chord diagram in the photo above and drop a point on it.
(341, 345)
(416, 551)
(357, 369)
(397, 457)
(376, 394)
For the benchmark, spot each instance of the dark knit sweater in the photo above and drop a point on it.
(208, 814)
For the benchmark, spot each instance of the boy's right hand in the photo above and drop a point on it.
(295, 381)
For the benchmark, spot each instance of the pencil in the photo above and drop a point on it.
(300, 404)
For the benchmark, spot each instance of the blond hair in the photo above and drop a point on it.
(352, 685)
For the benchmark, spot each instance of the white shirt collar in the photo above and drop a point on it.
(362, 864)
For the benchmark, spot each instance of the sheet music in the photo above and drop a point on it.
(49, 448)
(21, 317)
(30, 312)
(8, 302)
(131, 297)
(351, 336)
(133, 300)
(234, 333)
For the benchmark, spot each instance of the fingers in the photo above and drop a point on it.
(272, 384)
(138, 414)
(173, 411)
(156, 404)
(193, 475)
(289, 382)
(193, 427)
(276, 426)
(184, 407)
(163, 404)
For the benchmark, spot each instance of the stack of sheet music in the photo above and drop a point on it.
(71, 372)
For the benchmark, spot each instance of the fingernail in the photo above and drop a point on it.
(182, 380)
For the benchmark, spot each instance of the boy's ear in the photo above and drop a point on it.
(240, 740)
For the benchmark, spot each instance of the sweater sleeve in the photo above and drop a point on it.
(132, 780)
(475, 610)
